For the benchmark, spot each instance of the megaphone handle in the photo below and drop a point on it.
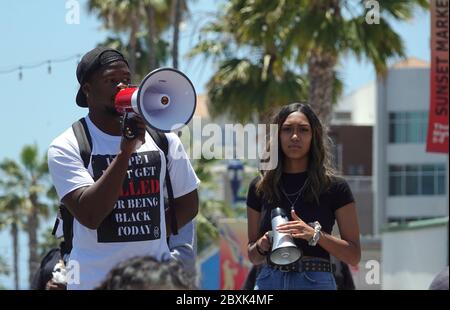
(270, 236)
(128, 127)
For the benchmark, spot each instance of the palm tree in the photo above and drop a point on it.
(12, 215)
(142, 19)
(158, 17)
(120, 15)
(178, 8)
(324, 31)
(176, 31)
(4, 270)
(28, 181)
(151, 33)
(48, 243)
(243, 86)
(239, 89)
(309, 36)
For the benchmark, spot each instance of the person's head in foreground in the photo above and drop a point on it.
(147, 273)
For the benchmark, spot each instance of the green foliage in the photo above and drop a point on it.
(4, 268)
(48, 242)
(239, 89)
(23, 187)
(211, 210)
(281, 36)
(130, 19)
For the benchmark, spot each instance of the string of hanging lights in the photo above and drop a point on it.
(20, 69)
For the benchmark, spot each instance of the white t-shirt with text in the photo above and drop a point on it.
(136, 226)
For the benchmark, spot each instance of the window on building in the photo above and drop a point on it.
(355, 169)
(408, 127)
(440, 178)
(428, 180)
(336, 152)
(408, 180)
(412, 181)
(395, 180)
(343, 116)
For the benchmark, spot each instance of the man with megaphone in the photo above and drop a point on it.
(115, 192)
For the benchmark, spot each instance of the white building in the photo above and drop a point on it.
(413, 253)
(357, 108)
(410, 184)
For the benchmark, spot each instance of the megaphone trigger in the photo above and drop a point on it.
(128, 127)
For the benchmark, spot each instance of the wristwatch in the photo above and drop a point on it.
(315, 238)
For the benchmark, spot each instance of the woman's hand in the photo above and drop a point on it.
(264, 243)
(54, 286)
(296, 228)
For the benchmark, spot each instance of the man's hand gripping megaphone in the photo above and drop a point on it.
(133, 126)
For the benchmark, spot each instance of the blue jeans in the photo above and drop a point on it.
(274, 279)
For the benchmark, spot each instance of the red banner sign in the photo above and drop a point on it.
(437, 135)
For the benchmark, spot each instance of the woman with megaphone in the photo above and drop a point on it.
(292, 209)
(116, 190)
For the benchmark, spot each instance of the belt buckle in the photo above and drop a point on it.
(285, 268)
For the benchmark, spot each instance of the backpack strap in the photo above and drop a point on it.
(84, 141)
(162, 142)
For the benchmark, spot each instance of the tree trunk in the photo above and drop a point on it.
(176, 32)
(265, 117)
(151, 36)
(133, 41)
(15, 237)
(321, 79)
(32, 228)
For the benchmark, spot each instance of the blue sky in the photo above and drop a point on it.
(40, 106)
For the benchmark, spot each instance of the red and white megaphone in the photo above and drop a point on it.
(166, 99)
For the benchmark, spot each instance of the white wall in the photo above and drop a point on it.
(411, 258)
(416, 206)
(361, 105)
(380, 168)
(408, 89)
(400, 154)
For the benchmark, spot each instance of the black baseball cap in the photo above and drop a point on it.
(91, 62)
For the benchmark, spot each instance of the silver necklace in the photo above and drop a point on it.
(298, 193)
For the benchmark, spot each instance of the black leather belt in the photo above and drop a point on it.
(306, 265)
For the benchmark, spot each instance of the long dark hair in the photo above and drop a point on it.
(320, 168)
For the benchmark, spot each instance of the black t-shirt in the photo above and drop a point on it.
(336, 196)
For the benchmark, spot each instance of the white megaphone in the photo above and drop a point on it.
(165, 99)
(284, 251)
